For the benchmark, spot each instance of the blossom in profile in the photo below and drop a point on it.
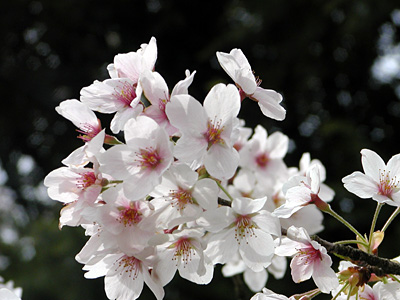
(303, 190)
(310, 259)
(238, 68)
(379, 181)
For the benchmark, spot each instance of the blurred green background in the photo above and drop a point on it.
(337, 64)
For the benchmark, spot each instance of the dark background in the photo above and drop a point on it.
(325, 57)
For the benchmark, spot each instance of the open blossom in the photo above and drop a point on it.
(207, 131)
(125, 274)
(156, 91)
(238, 68)
(183, 251)
(119, 95)
(140, 162)
(181, 197)
(310, 259)
(244, 227)
(264, 154)
(379, 181)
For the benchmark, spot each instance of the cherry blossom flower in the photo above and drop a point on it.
(131, 65)
(118, 95)
(244, 227)
(140, 162)
(300, 191)
(310, 259)
(238, 68)
(379, 181)
(207, 132)
(264, 154)
(156, 91)
(183, 251)
(83, 118)
(125, 274)
(181, 197)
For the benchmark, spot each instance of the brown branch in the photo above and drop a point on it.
(378, 265)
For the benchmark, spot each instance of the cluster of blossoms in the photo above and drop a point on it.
(190, 186)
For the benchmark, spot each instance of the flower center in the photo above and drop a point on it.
(148, 158)
(129, 215)
(126, 94)
(183, 250)
(129, 264)
(309, 254)
(262, 160)
(213, 133)
(387, 184)
(244, 227)
(88, 131)
(180, 198)
(86, 180)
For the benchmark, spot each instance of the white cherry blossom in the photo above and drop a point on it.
(310, 259)
(379, 181)
(238, 68)
(207, 131)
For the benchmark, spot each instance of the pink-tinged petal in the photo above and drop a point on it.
(287, 247)
(221, 162)
(222, 246)
(246, 206)
(79, 114)
(128, 65)
(149, 53)
(118, 161)
(360, 184)
(269, 100)
(222, 103)
(300, 270)
(187, 114)
(299, 235)
(154, 285)
(140, 185)
(205, 193)
(166, 266)
(154, 87)
(267, 222)
(372, 163)
(277, 145)
(182, 86)
(325, 278)
(296, 198)
(110, 95)
(122, 116)
(257, 250)
(255, 280)
(141, 128)
(190, 148)
(246, 80)
(228, 63)
(313, 175)
(393, 166)
(216, 220)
